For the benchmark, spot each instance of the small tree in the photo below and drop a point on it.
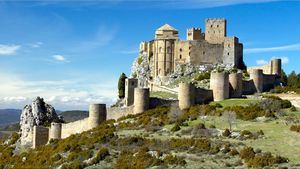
(121, 86)
(229, 117)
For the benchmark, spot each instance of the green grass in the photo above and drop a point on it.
(279, 140)
(235, 102)
(164, 95)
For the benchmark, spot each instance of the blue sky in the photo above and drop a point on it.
(73, 53)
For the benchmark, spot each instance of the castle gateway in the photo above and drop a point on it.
(212, 47)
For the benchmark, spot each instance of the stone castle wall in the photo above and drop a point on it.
(189, 95)
(74, 127)
(272, 68)
(40, 136)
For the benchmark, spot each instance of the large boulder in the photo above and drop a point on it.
(38, 113)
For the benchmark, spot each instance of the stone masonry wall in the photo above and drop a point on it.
(74, 127)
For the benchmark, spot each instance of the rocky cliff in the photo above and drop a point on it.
(38, 113)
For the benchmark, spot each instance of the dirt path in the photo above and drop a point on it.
(294, 98)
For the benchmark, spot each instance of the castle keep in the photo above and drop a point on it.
(212, 47)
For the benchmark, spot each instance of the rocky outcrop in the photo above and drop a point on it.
(142, 69)
(38, 113)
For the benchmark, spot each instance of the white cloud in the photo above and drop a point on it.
(60, 58)
(292, 47)
(9, 49)
(36, 45)
(15, 92)
(261, 62)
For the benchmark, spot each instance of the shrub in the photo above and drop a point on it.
(175, 128)
(212, 126)
(286, 104)
(260, 132)
(247, 153)
(202, 76)
(218, 105)
(295, 128)
(174, 160)
(225, 149)
(13, 138)
(226, 133)
(101, 154)
(233, 152)
(56, 157)
(293, 109)
(140, 60)
(246, 134)
(265, 159)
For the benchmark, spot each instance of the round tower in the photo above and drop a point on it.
(219, 83)
(276, 67)
(55, 131)
(236, 84)
(97, 114)
(257, 76)
(141, 100)
(186, 95)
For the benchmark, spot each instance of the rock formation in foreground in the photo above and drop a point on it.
(38, 113)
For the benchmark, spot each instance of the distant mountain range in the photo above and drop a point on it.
(74, 115)
(9, 116)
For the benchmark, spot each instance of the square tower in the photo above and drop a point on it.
(215, 30)
(194, 34)
(130, 84)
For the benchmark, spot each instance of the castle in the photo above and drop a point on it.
(212, 47)
(164, 52)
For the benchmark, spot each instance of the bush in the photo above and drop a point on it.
(101, 154)
(175, 128)
(260, 132)
(218, 105)
(265, 159)
(202, 76)
(226, 133)
(233, 152)
(174, 160)
(295, 128)
(246, 134)
(247, 153)
(212, 126)
(293, 109)
(286, 104)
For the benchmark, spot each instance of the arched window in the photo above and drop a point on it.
(180, 57)
(228, 53)
(203, 52)
(180, 49)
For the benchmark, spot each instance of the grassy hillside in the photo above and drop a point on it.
(166, 137)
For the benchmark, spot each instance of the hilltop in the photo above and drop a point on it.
(166, 137)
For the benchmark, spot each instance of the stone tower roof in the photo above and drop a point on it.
(166, 27)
